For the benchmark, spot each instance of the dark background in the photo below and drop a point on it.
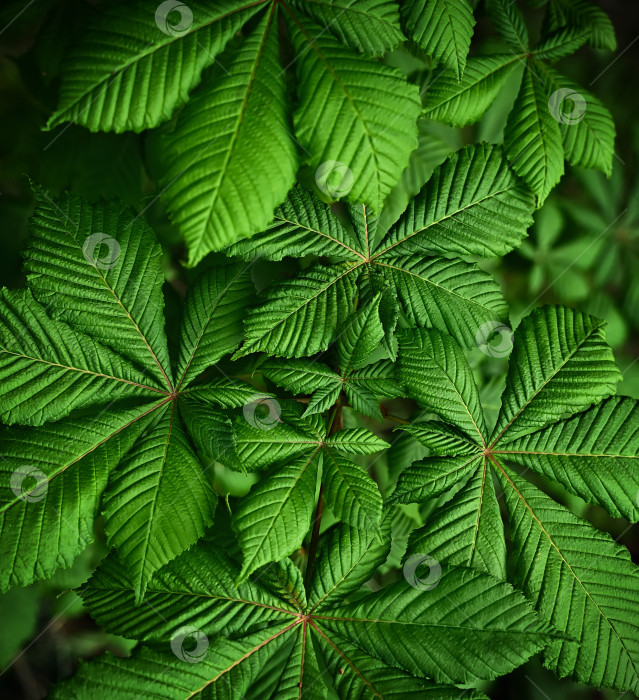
(582, 251)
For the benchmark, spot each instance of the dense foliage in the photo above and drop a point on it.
(219, 446)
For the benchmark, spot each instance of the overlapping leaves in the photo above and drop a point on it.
(234, 150)
(358, 374)
(88, 386)
(233, 145)
(561, 419)
(472, 205)
(272, 638)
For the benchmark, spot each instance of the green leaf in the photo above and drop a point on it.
(52, 479)
(284, 580)
(579, 580)
(363, 388)
(301, 316)
(271, 637)
(198, 588)
(371, 26)
(365, 226)
(374, 290)
(360, 338)
(299, 376)
(305, 377)
(379, 377)
(209, 426)
(303, 225)
(353, 113)
(324, 399)
(370, 676)
(466, 531)
(436, 142)
(212, 433)
(99, 267)
(472, 205)
(582, 582)
(433, 477)
(594, 454)
(459, 619)
(212, 320)
(274, 517)
(159, 502)
(532, 137)
(509, 21)
(212, 194)
(281, 436)
(350, 492)
(560, 364)
(359, 441)
(443, 28)
(449, 294)
(291, 665)
(561, 43)
(347, 557)
(441, 439)
(94, 377)
(462, 102)
(585, 15)
(587, 129)
(433, 369)
(47, 369)
(363, 399)
(130, 71)
(228, 393)
(232, 664)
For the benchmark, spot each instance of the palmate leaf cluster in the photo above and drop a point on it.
(418, 270)
(242, 94)
(121, 427)
(88, 385)
(560, 419)
(116, 419)
(275, 637)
